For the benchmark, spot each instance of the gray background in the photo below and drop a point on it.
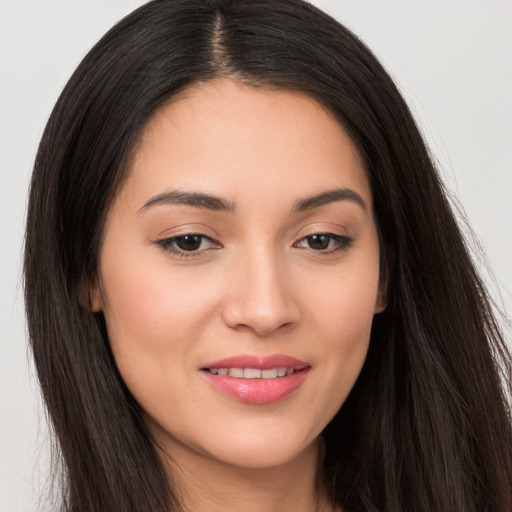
(451, 58)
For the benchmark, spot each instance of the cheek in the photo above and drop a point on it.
(152, 314)
(342, 313)
(345, 304)
(154, 320)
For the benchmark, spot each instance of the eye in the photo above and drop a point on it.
(325, 242)
(187, 245)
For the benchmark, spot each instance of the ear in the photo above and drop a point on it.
(95, 297)
(90, 296)
(382, 296)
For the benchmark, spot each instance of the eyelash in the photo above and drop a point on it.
(343, 243)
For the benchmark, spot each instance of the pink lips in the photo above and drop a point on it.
(257, 391)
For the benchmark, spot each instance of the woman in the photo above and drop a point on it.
(241, 283)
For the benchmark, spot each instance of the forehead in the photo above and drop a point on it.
(230, 139)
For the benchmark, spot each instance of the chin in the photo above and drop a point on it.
(250, 445)
(260, 455)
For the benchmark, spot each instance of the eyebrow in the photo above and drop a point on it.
(196, 199)
(210, 202)
(331, 196)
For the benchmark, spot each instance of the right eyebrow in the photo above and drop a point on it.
(196, 199)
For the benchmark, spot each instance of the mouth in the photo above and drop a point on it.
(256, 380)
(255, 373)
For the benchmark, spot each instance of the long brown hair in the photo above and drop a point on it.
(427, 426)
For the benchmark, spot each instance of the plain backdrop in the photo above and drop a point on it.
(452, 60)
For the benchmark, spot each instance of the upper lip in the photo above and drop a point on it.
(258, 362)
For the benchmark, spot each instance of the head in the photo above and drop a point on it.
(152, 79)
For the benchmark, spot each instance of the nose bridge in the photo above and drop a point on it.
(260, 298)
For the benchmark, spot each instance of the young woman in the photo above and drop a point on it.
(245, 287)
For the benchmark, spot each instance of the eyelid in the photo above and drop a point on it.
(319, 227)
(188, 228)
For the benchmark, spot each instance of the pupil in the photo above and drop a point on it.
(319, 242)
(189, 242)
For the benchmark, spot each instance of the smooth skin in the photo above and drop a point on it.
(260, 269)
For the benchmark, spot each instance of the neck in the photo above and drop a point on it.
(209, 485)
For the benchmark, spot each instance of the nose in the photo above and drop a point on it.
(261, 297)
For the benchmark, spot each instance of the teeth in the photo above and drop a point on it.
(252, 373)
(236, 372)
(269, 374)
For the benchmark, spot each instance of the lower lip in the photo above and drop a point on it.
(257, 391)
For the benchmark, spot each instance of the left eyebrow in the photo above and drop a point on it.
(330, 196)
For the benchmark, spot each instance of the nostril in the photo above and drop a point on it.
(262, 326)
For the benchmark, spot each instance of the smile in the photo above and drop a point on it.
(254, 373)
(256, 380)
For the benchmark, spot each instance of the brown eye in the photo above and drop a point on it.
(318, 242)
(188, 245)
(188, 242)
(325, 242)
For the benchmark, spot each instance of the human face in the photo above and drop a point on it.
(243, 236)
